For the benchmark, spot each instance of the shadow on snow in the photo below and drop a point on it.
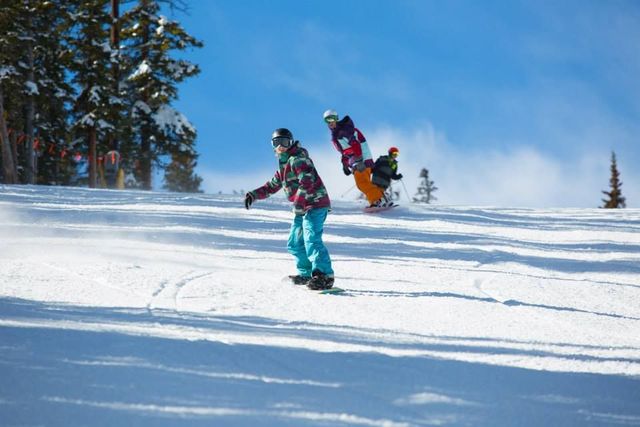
(60, 376)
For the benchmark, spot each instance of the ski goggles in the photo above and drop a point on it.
(331, 119)
(281, 141)
(395, 154)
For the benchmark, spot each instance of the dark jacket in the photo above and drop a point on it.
(111, 162)
(384, 170)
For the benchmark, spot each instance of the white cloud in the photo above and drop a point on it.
(521, 175)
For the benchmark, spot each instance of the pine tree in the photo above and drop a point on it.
(7, 71)
(36, 94)
(179, 175)
(425, 189)
(54, 94)
(11, 48)
(30, 90)
(9, 171)
(615, 195)
(159, 129)
(70, 84)
(92, 60)
(117, 116)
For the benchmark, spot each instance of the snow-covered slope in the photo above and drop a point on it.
(133, 308)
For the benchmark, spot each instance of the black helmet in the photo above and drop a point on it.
(282, 137)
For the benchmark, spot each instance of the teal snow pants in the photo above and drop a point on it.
(305, 243)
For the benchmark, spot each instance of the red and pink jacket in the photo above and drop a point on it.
(351, 143)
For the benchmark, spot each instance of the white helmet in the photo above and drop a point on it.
(330, 115)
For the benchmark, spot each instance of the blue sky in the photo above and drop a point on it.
(507, 103)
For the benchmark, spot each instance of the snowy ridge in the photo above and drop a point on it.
(170, 309)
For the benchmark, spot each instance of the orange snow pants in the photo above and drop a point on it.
(364, 184)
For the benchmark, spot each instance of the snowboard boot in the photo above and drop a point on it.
(299, 280)
(383, 202)
(320, 281)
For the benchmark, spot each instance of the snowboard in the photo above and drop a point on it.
(331, 291)
(373, 209)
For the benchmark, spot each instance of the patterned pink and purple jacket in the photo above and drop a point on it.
(300, 180)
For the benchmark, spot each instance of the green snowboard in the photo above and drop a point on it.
(332, 291)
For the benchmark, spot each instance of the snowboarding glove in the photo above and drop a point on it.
(399, 176)
(248, 200)
(346, 170)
